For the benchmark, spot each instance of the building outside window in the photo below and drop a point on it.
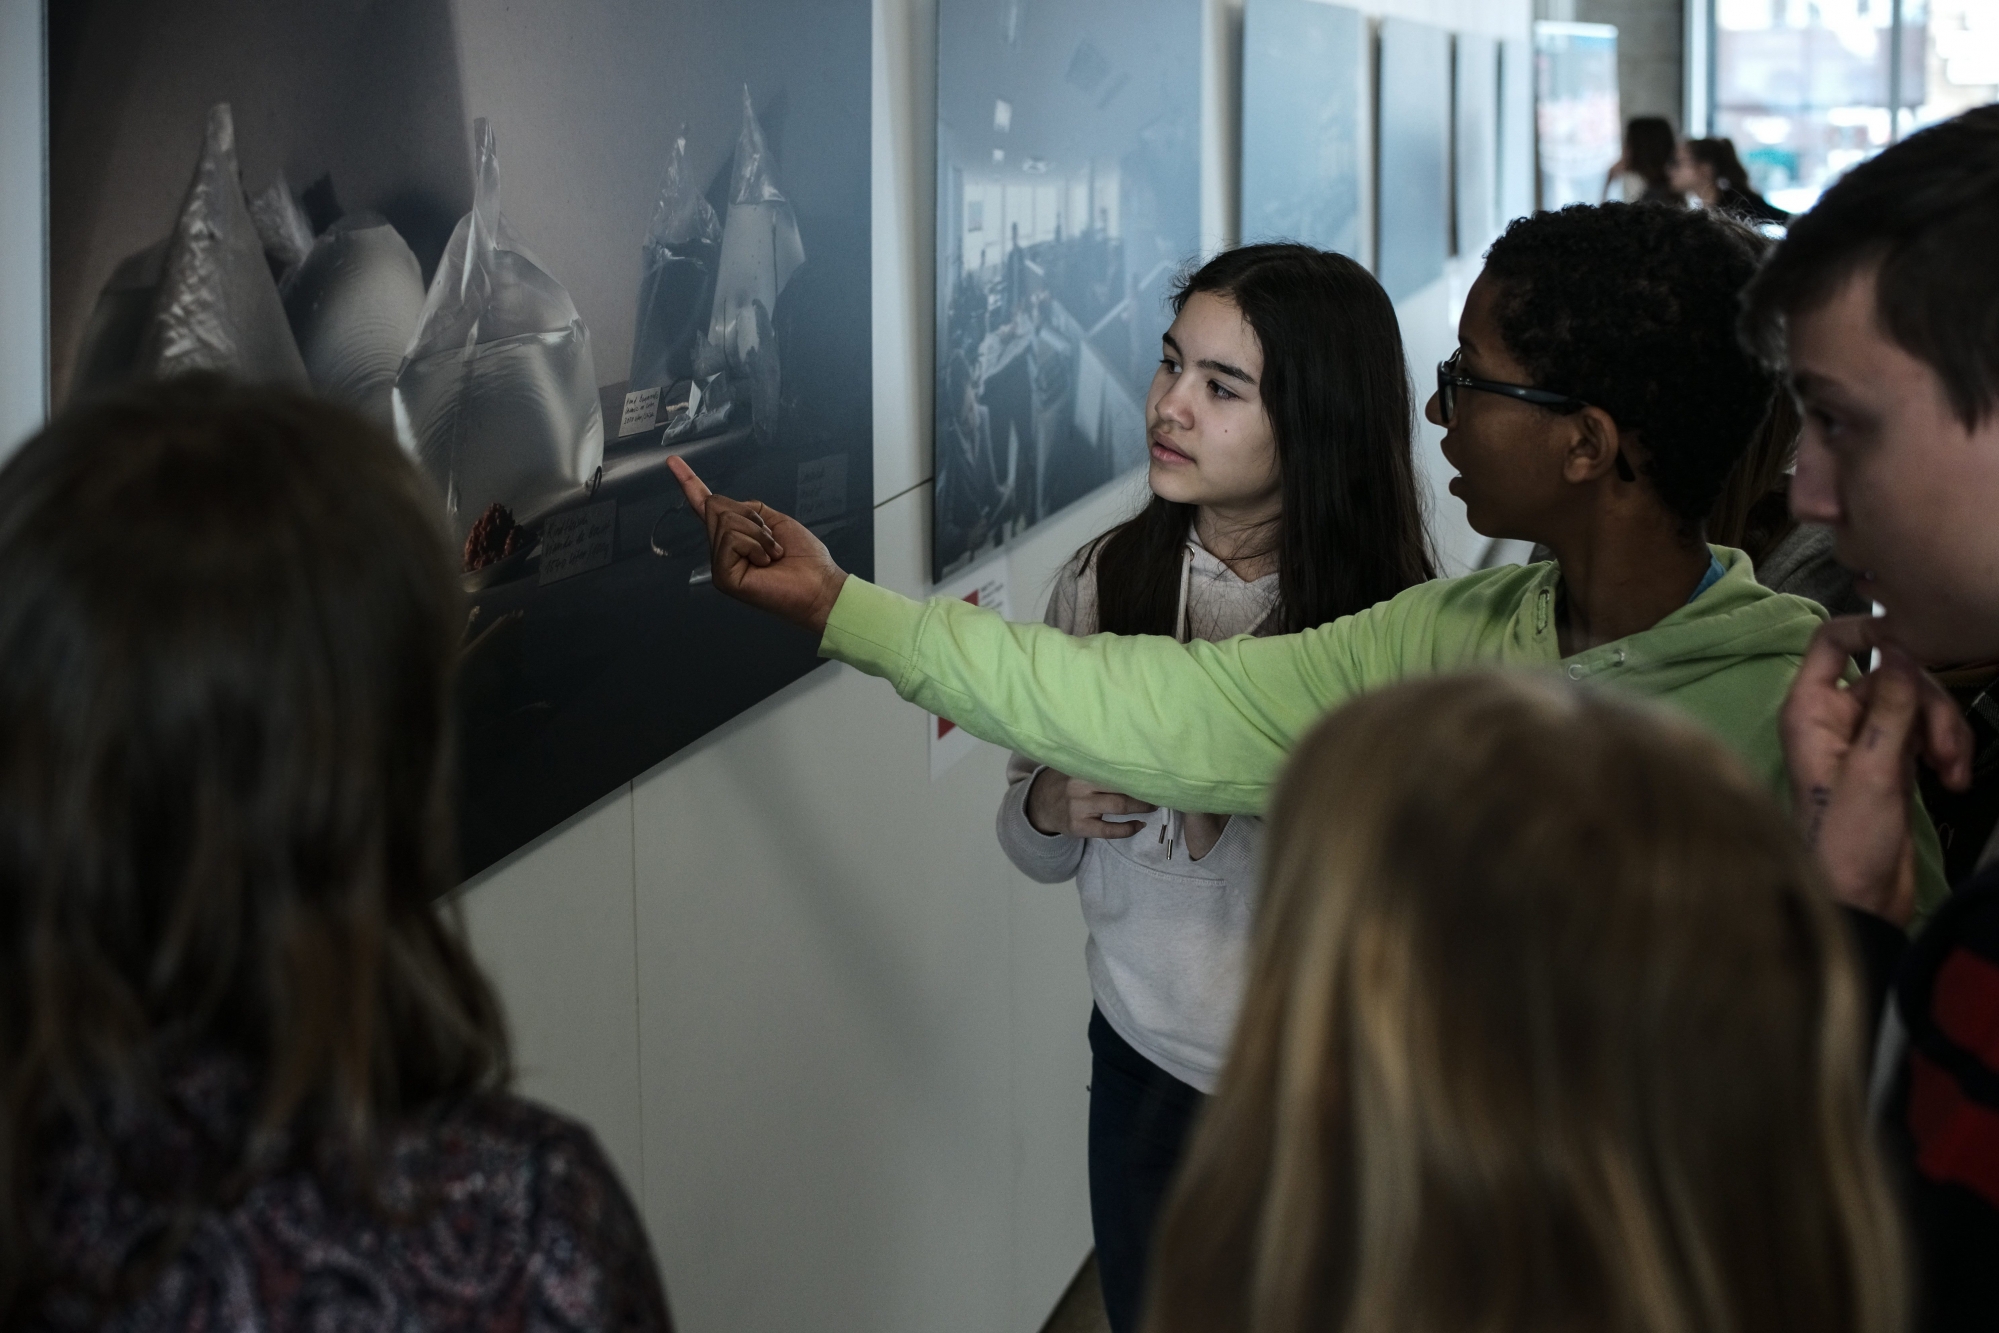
(1808, 88)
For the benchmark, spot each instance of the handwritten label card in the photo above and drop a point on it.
(641, 412)
(580, 540)
(822, 489)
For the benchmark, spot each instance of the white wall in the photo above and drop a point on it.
(831, 1039)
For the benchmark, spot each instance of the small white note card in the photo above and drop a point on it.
(822, 489)
(580, 540)
(641, 412)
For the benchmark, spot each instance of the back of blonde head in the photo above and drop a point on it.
(1549, 1028)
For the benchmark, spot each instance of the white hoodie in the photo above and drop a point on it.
(1169, 935)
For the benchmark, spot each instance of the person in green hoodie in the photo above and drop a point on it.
(1596, 403)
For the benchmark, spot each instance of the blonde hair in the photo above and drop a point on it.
(1549, 1027)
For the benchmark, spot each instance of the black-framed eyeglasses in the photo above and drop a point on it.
(1449, 381)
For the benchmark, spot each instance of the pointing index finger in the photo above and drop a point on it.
(691, 485)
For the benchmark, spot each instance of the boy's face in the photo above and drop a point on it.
(1912, 496)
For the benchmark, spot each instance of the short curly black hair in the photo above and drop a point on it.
(1632, 308)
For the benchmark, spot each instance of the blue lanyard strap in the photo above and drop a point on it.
(1709, 579)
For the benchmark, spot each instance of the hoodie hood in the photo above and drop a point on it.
(1735, 620)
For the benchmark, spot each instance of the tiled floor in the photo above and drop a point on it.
(1081, 1309)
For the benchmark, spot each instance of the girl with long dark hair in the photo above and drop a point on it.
(1283, 497)
(1645, 168)
(1711, 171)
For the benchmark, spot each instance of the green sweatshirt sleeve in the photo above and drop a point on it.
(1198, 726)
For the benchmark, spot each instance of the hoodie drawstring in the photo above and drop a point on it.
(1169, 832)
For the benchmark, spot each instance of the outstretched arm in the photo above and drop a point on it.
(1202, 726)
(759, 556)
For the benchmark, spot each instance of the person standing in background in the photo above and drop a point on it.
(1710, 171)
(1283, 496)
(1643, 173)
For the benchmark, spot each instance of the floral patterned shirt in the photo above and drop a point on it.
(499, 1215)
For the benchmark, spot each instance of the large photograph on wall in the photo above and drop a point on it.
(1517, 183)
(546, 244)
(1068, 197)
(1302, 151)
(1474, 143)
(1413, 127)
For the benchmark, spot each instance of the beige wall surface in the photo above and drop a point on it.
(832, 1040)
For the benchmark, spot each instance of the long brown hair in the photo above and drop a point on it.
(1720, 157)
(1648, 150)
(1549, 1027)
(228, 625)
(1753, 511)
(1336, 390)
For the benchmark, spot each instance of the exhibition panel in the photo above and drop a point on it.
(466, 222)
(1475, 117)
(1068, 198)
(1303, 118)
(1413, 156)
(1516, 129)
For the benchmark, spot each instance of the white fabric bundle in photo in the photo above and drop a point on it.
(354, 303)
(497, 393)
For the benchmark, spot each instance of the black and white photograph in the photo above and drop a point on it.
(1068, 198)
(1413, 129)
(546, 245)
(1303, 118)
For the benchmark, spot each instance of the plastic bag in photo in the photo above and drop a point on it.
(281, 226)
(497, 393)
(217, 307)
(107, 355)
(760, 251)
(354, 303)
(677, 278)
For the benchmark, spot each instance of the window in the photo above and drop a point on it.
(1808, 88)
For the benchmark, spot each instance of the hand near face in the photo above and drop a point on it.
(1058, 803)
(1852, 751)
(769, 560)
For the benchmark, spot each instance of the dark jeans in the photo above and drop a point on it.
(1139, 1119)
